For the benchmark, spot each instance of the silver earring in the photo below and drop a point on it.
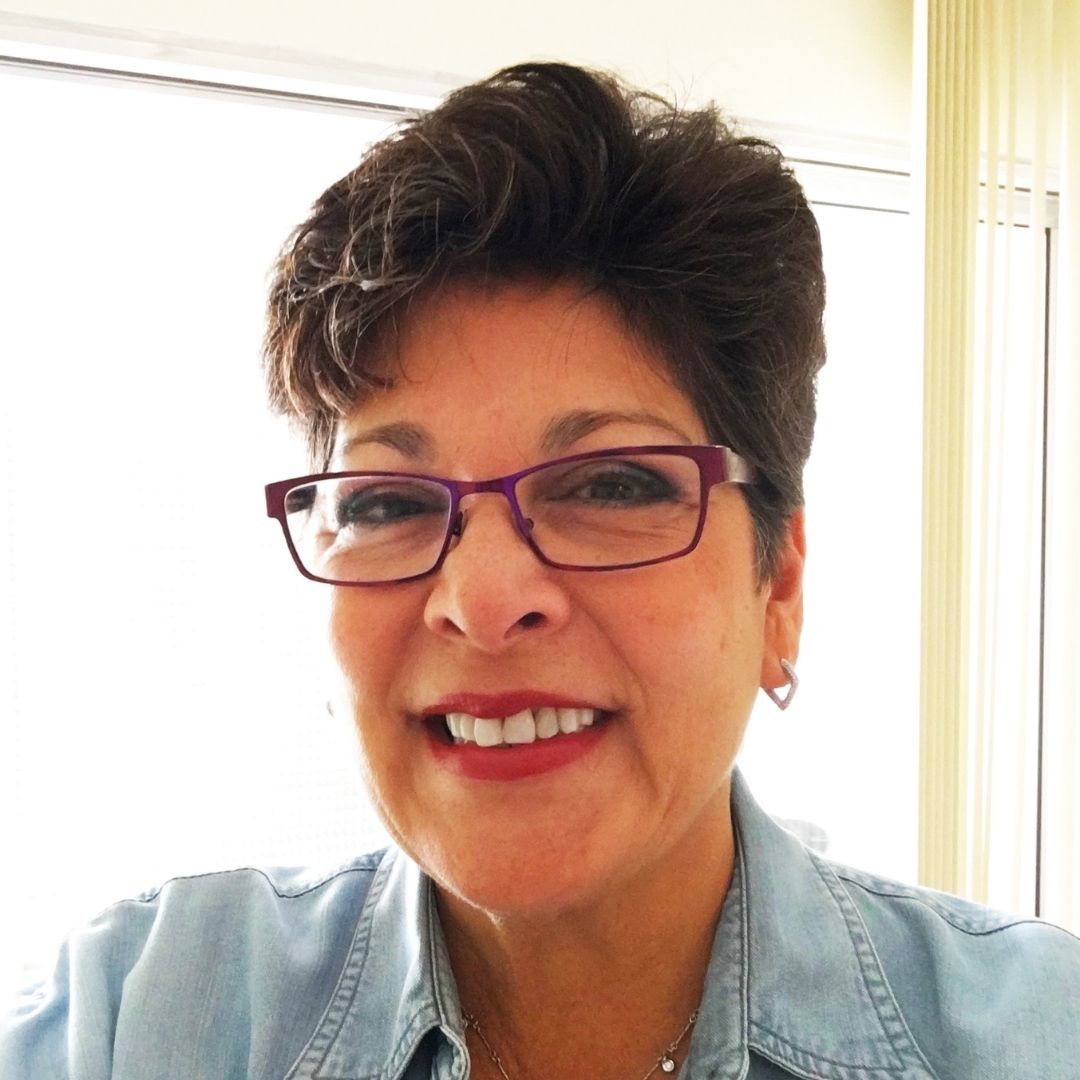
(793, 685)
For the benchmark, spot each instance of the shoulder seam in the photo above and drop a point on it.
(1008, 923)
(365, 864)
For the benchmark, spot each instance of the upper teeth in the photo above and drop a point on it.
(524, 727)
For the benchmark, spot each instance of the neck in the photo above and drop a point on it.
(602, 987)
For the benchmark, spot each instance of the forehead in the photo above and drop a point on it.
(478, 361)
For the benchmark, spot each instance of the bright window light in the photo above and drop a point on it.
(163, 664)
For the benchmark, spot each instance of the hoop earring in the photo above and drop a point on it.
(793, 684)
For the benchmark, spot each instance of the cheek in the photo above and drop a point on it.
(674, 648)
(367, 632)
(368, 641)
(699, 615)
(697, 650)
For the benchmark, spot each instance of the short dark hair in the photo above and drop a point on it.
(701, 236)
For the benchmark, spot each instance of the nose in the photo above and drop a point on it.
(492, 591)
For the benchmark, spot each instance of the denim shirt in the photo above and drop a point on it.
(816, 971)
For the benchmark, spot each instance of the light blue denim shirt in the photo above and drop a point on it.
(816, 971)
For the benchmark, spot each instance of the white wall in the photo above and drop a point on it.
(834, 65)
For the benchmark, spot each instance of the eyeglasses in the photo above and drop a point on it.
(605, 510)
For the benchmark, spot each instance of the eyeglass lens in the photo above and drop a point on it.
(590, 514)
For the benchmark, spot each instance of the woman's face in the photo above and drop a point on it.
(673, 654)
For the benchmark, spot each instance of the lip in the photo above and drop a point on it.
(517, 762)
(500, 705)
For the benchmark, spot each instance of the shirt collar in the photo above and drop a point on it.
(818, 1000)
(395, 987)
(793, 975)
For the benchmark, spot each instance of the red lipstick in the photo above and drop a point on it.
(497, 706)
(522, 760)
(516, 762)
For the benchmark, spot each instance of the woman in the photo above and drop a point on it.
(553, 348)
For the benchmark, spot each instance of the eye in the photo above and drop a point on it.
(626, 487)
(614, 483)
(300, 499)
(387, 504)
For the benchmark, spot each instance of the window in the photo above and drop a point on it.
(851, 737)
(162, 661)
(161, 685)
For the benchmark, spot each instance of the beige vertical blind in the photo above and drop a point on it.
(993, 86)
(1060, 877)
(950, 211)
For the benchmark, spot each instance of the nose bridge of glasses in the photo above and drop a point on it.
(501, 486)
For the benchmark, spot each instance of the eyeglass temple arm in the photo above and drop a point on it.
(737, 469)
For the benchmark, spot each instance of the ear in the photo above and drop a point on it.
(784, 604)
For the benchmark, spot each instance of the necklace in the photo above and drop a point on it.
(665, 1062)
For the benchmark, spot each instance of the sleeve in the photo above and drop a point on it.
(988, 994)
(215, 975)
(63, 1027)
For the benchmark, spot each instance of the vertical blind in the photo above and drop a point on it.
(993, 83)
(1060, 829)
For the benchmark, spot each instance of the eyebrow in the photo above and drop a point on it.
(562, 432)
(413, 441)
(408, 439)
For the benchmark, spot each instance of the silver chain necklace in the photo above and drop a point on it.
(665, 1062)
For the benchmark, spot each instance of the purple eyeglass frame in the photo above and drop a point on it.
(716, 465)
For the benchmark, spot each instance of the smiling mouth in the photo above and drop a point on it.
(521, 729)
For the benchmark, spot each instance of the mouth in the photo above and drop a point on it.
(521, 728)
(525, 743)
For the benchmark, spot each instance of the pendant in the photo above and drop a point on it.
(667, 1064)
